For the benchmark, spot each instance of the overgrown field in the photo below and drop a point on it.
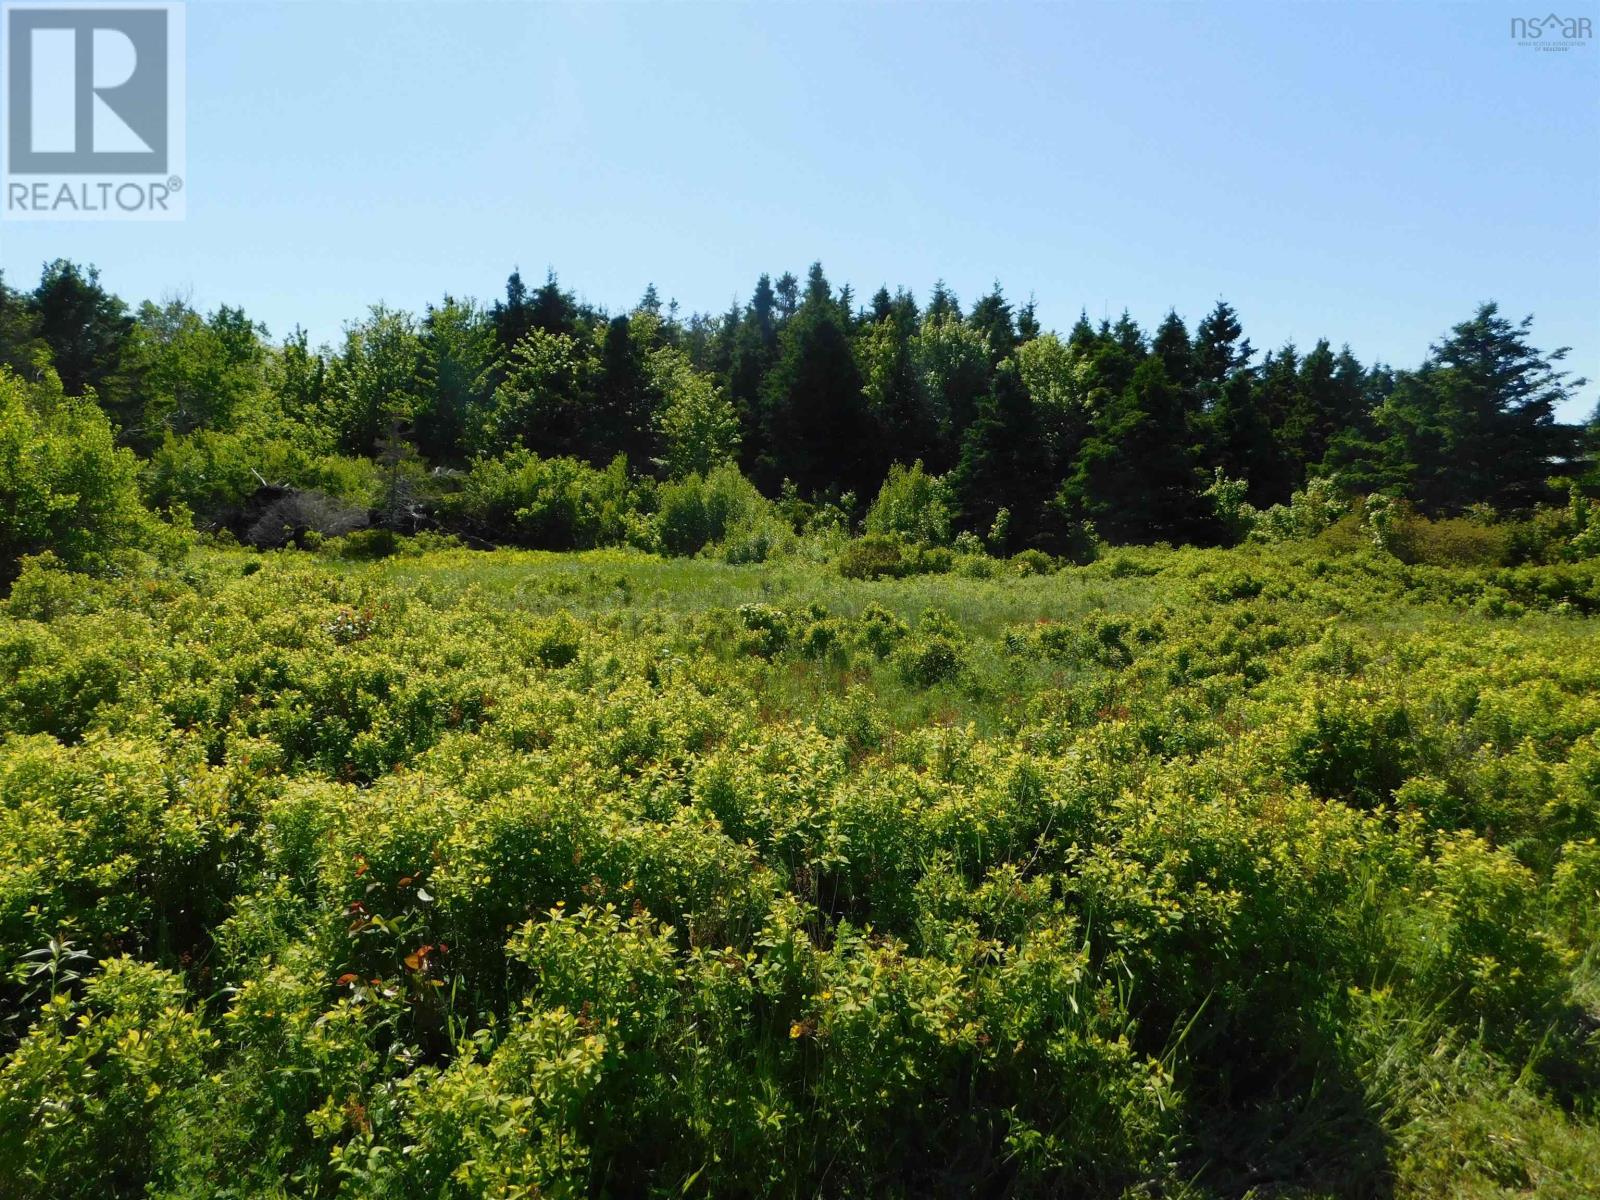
(1268, 871)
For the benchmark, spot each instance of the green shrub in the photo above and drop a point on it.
(912, 504)
(214, 473)
(927, 660)
(1309, 512)
(885, 556)
(548, 504)
(95, 1099)
(722, 509)
(1452, 542)
(1033, 562)
(486, 873)
(875, 556)
(65, 487)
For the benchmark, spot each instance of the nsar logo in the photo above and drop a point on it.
(1551, 32)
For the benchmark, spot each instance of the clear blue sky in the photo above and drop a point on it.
(1364, 171)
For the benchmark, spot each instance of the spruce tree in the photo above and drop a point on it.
(1475, 424)
(1004, 464)
(512, 317)
(1028, 326)
(1135, 476)
(1082, 337)
(753, 350)
(905, 429)
(991, 317)
(1239, 441)
(88, 331)
(1220, 349)
(553, 310)
(943, 302)
(1129, 337)
(1171, 345)
(818, 431)
(622, 417)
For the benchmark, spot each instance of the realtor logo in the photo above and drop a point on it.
(94, 110)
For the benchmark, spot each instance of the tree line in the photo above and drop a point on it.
(1039, 436)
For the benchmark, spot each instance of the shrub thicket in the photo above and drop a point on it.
(466, 874)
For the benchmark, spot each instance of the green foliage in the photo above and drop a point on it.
(549, 503)
(913, 504)
(699, 425)
(722, 511)
(1228, 505)
(65, 487)
(460, 873)
(720, 853)
(375, 380)
(93, 1098)
(214, 473)
(1309, 512)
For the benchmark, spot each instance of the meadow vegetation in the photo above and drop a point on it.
(1262, 871)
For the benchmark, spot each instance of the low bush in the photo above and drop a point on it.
(912, 505)
(1188, 872)
(722, 511)
(544, 503)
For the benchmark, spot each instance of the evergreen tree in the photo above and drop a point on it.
(753, 350)
(1327, 399)
(1171, 345)
(943, 303)
(818, 429)
(1219, 350)
(1028, 326)
(787, 291)
(1278, 392)
(1477, 421)
(622, 417)
(1586, 470)
(1136, 476)
(1004, 464)
(1272, 468)
(512, 317)
(87, 330)
(1082, 336)
(991, 317)
(1239, 441)
(847, 308)
(1129, 337)
(903, 420)
(1362, 458)
(553, 310)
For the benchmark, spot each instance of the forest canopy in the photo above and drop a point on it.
(544, 421)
